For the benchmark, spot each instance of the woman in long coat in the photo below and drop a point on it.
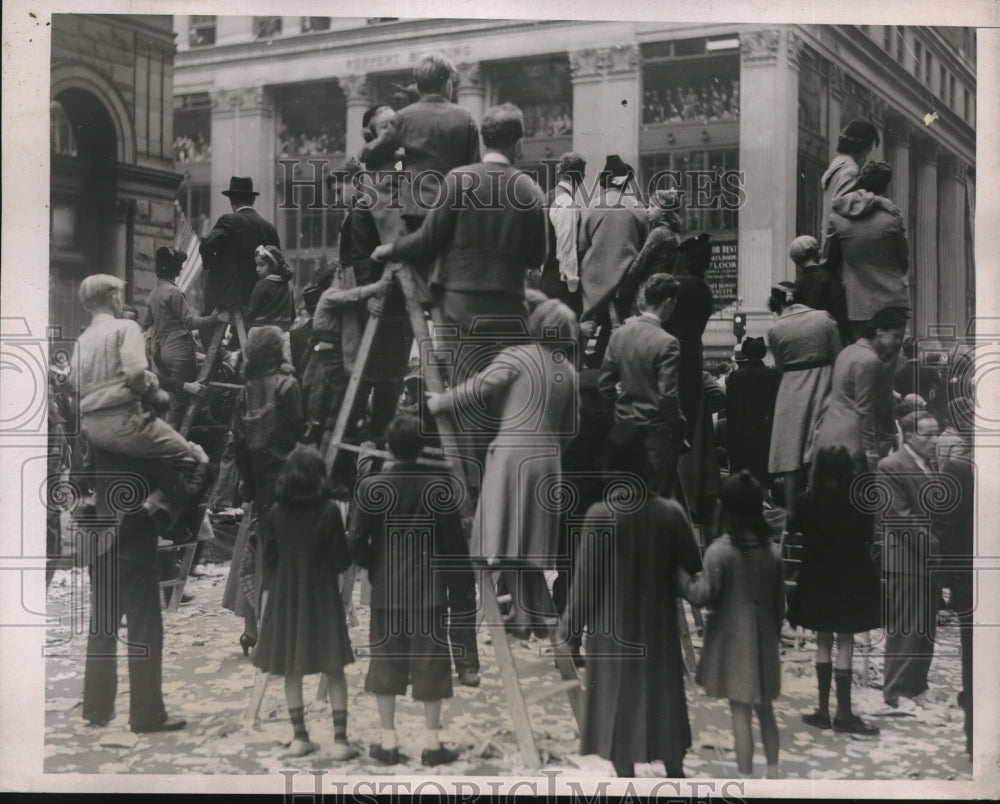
(858, 412)
(805, 344)
(634, 707)
(516, 524)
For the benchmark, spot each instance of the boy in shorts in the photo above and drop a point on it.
(400, 534)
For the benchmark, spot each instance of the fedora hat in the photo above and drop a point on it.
(240, 185)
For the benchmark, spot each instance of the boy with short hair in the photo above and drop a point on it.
(398, 543)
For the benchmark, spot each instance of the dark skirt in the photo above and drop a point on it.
(839, 586)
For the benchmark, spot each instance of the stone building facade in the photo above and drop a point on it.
(281, 99)
(112, 185)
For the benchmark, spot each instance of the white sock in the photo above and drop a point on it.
(389, 738)
(432, 738)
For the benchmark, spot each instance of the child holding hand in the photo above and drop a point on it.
(742, 582)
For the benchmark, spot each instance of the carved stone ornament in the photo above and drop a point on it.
(760, 47)
(469, 77)
(355, 88)
(836, 81)
(796, 44)
(623, 58)
(588, 62)
(244, 98)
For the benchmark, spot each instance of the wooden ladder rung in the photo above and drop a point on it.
(538, 694)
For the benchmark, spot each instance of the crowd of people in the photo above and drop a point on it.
(711, 100)
(187, 149)
(327, 141)
(576, 332)
(547, 120)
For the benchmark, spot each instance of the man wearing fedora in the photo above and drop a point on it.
(227, 252)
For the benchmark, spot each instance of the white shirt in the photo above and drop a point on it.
(493, 156)
(564, 215)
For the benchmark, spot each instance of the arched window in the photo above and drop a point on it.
(61, 139)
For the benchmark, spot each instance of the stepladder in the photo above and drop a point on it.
(448, 456)
(172, 590)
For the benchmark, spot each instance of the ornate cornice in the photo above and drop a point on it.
(355, 89)
(760, 47)
(243, 98)
(594, 62)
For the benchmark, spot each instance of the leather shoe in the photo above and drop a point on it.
(819, 719)
(438, 756)
(170, 724)
(468, 678)
(852, 724)
(387, 756)
(99, 722)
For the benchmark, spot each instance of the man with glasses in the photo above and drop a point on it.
(911, 595)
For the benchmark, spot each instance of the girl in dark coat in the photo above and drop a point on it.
(303, 627)
(743, 584)
(634, 705)
(751, 393)
(839, 590)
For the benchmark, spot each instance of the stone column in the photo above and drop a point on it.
(470, 93)
(768, 159)
(897, 147)
(923, 243)
(879, 116)
(951, 244)
(606, 109)
(243, 144)
(355, 88)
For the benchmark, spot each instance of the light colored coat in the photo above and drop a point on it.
(612, 231)
(801, 335)
(517, 518)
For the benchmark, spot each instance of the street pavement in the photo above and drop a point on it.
(207, 681)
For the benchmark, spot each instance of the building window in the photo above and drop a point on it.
(708, 200)
(951, 91)
(900, 43)
(928, 67)
(683, 84)
(918, 57)
(266, 27)
(311, 24)
(814, 95)
(887, 31)
(202, 30)
(192, 129)
(313, 119)
(542, 89)
(61, 139)
(942, 82)
(966, 106)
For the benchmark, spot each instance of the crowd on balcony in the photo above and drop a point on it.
(715, 100)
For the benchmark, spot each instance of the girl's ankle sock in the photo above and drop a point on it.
(340, 725)
(298, 717)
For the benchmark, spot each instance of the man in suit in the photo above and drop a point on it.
(561, 272)
(911, 595)
(644, 359)
(228, 250)
(484, 237)
(435, 134)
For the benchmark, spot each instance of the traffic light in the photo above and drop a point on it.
(739, 325)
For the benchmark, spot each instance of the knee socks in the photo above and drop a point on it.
(340, 725)
(298, 717)
(842, 678)
(824, 673)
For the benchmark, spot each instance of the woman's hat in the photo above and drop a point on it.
(240, 185)
(742, 496)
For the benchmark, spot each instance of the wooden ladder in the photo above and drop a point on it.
(447, 457)
(174, 589)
